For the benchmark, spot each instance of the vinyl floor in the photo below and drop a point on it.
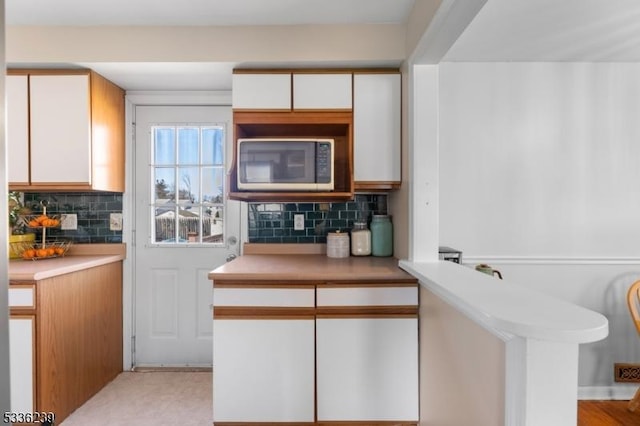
(149, 398)
(185, 398)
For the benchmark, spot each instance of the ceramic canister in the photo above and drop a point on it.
(381, 236)
(338, 244)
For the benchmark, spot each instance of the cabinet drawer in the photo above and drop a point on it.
(22, 296)
(264, 297)
(368, 296)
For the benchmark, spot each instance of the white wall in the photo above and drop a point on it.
(462, 368)
(539, 176)
(304, 44)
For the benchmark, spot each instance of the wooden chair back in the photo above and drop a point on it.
(633, 301)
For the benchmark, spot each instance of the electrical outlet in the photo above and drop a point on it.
(298, 222)
(69, 221)
(115, 221)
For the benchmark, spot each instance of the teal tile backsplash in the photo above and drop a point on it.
(267, 222)
(273, 222)
(93, 210)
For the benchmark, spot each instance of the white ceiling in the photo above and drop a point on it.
(504, 30)
(552, 30)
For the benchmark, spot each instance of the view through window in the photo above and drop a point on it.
(187, 169)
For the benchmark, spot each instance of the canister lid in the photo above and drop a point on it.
(380, 216)
(337, 234)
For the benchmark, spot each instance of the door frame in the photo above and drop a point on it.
(156, 98)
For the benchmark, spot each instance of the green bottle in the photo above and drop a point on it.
(381, 235)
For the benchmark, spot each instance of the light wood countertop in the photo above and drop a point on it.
(310, 267)
(80, 256)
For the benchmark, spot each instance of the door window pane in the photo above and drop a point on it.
(188, 145)
(188, 195)
(164, 145)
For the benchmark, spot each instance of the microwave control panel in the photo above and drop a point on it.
(323, 162)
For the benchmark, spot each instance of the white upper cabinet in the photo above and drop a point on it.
(60, 129)
(377, 128)
(17, 130)
(261, 91)
(276, 90)
(322, 91)
(65, 131)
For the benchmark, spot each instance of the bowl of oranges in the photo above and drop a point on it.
(36, 221)
(38, 251)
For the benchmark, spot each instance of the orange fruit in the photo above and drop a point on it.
(28, 254)
(41, 253)
(33, 223)
(51, 251)
(59, 251)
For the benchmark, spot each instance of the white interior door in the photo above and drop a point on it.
(184, 228)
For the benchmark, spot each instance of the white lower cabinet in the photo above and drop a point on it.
(22, 357)
(263, 370)
(367, 369)
(305, 353)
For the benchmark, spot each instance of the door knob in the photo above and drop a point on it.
(231, 257)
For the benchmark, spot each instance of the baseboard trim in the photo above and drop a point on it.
(172, 369)
(622, 391)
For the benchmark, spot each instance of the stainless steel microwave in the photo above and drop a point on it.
(285, 164)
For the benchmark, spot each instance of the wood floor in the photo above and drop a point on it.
(606, 413)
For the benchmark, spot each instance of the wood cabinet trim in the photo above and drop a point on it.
(260, 312)
(367, 423)
(322, 423)
(409, 282)
(376, 185)
(391, 70)
(48, 71)
(264, 284)
(390, 311)
(273, 424)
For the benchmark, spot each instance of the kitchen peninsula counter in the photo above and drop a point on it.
(310, 318)
(310, 267)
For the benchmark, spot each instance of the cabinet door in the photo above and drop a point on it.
(377, 127)
(22, 357)
(261, 91)
(367, 369)
(263, 370)
(322, 91)
(60, 129)
(17, 94)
